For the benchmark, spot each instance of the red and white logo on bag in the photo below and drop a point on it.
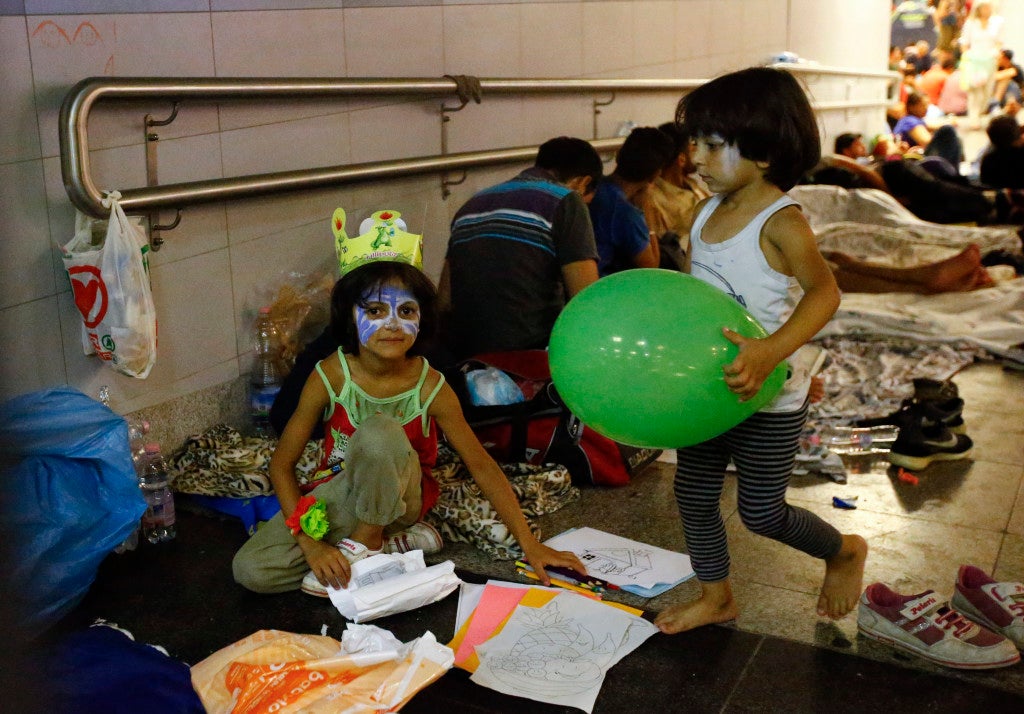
(90, 293)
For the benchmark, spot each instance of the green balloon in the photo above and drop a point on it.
(638, 357)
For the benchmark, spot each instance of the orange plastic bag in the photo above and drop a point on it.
(276, 671)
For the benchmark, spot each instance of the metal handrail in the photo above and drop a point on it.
(86, 196)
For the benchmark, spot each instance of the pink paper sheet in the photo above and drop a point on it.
(495, 606)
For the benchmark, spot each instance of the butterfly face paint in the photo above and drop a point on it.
(390, 307)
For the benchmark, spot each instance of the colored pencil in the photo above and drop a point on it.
(562, 584)
(581, 578)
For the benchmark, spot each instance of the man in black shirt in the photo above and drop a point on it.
(1003, 165)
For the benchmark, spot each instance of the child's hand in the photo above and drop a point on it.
(330, 565)
(745, 374)
(539, 555)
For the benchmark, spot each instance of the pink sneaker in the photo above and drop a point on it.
(926, 626)
(997, 606)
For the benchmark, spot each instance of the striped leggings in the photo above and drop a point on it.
(763, 448)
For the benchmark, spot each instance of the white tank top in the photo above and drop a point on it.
(738, 267)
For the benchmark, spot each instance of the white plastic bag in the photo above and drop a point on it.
(111, 289)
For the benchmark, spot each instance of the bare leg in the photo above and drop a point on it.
(369, 535)
(844, 575)
(715, 604)
(959, 273)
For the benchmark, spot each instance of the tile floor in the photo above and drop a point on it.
(779, 656)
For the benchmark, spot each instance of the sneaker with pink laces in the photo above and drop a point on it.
(419, 536)
(928, 627)
(997, 606)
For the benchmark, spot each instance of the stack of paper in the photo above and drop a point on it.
(638, 568)
(546, 644)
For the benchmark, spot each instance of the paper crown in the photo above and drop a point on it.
(382, 236)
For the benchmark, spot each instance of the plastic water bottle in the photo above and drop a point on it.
(158, 520)
(265, 380)
(848, 440)
(137, 431)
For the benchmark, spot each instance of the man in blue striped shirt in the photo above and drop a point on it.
(518, 251)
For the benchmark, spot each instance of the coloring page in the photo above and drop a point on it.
(623, 561)
(559, 653)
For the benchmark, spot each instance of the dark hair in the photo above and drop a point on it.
(914, 98)
(1003, 131)
(644, 154)
(679, 137)
(350, 290)
(765, 113)
(568, 157)
(1007, 53)
(845, 141)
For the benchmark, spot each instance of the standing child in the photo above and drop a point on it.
(754, 134)
(382, 406)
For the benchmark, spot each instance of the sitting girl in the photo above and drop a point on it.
(382, 406)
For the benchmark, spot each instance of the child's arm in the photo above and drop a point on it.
(324, 559)
(495, 487)
(791, 248)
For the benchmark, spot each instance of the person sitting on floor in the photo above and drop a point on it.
(931, 82)
(384, 405)
(1002, 166)
(953, 97)
(518, 251)
(933, 140)
(672, 198)
(622, 236)
(1009, 80)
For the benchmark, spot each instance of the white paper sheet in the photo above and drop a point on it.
(559, 653)
(622, 561)
(386, 584)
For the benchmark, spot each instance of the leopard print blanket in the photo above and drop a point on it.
(221, 462)
(464, 515)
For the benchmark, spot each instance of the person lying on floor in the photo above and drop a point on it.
(929, 187)
(959, 273)
(383, 405)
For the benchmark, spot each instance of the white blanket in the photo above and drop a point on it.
(992, 318)
(872, 225)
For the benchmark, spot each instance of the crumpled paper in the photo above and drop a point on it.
(391, 583)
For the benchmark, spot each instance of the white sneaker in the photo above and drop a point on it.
(353, 552)
(419, 536)
(925, 625)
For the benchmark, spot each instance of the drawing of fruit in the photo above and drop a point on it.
(556, 655)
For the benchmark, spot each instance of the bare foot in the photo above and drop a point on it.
(715, 604)
(844, 576)
(956, 274)
(981, 279)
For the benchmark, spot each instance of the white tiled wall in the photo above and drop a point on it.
(225, 259)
